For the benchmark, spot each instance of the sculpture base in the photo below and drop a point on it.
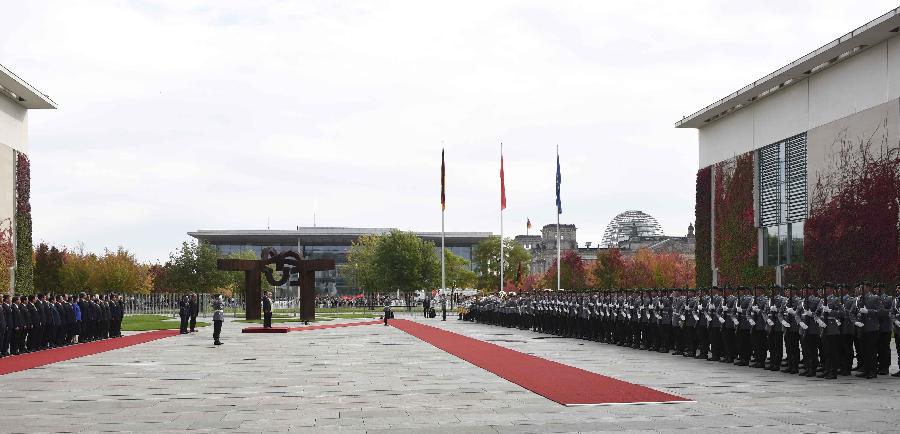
(265, 330)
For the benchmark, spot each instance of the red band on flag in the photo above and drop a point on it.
(502, 186)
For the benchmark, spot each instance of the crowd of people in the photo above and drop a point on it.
(38, 322)
(817, 331)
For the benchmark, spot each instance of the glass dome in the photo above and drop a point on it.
(628, 224)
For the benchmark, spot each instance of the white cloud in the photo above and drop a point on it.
(177, 116)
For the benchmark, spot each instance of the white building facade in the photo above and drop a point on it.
(799, 145)
(17, 97)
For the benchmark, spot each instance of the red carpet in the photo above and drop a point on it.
(564, 384)
(331, 326)
(32, 360)
(265, 330)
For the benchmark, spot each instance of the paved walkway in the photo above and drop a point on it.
(377, 379)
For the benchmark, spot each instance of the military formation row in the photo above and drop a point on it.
(38, 322)
(808, 331)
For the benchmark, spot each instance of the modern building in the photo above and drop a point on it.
(798, 170)
(17, 97)
(325, 243)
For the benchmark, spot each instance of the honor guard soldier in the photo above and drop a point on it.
(777, 326)
(760, 327)
(884, 330)
(743, 328)
(830, 313)
(812, 337)
(792, 312)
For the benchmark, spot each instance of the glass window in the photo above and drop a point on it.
(782, 200)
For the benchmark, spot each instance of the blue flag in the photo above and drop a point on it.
(558, 182)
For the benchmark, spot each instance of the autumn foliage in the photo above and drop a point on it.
(613, 270)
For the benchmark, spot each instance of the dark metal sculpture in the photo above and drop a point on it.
(287, 263)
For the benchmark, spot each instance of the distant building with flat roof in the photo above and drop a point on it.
(325, 243)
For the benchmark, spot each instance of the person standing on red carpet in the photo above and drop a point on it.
(267, 310)
(388, 313)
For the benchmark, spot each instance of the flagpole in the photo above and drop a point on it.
(501, 216)
(558, 247)
(443, 255)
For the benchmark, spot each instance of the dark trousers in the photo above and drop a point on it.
(217, 330)
(870, 348)
(744, 349)
(792, 348)
(267, 319)
(184, 324)
(758, 338)
(688, 339)
(884, 351)
(776, 347)
(4, 345)
(831, 353)
(702, 340)
(721, 343)
(193, 322)
(811, 343)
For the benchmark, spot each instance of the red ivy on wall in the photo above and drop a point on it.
(852, 233)
(736, 245)
(24, 260)
(702, 227)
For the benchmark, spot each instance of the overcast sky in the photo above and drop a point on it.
(183, 115)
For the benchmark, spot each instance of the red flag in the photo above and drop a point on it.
(443, 197)
(502, 185)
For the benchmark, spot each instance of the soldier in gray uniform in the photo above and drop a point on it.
(830, 313)
(701, 336)
(812, 338)
(867, 307)
(848, 331)
(723, 326)
(895, 320)
(792, 312)
(776, 326)
(678, 302)
(218, 317)
(884, 330)
(744, 327)
(759, 327)
(691, 317)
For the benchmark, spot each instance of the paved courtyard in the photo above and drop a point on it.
(374, 379)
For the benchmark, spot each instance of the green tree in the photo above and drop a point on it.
(360, 267)
(78, 272)
(48, 263)
(458, 273)
(486, 257)
(118, 271)
(192, 268)
(406, 262)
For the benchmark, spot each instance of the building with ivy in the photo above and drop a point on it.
(17, 98)
(798, 170)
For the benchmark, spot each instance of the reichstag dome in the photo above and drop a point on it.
(628, 224)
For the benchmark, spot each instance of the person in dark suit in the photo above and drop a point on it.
(18, 337)
(267, 310)
(388, 313)
(9, 326)
(184, 313)
(82, 318)
(425, 306)
(195, 310)
(3, 345)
